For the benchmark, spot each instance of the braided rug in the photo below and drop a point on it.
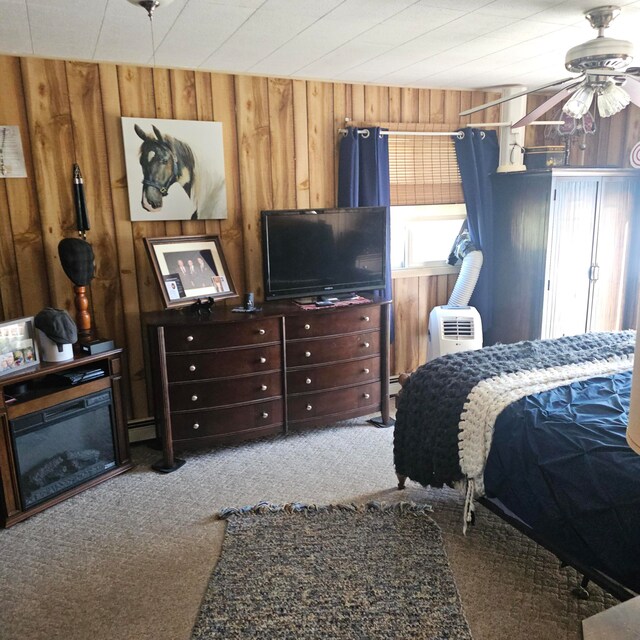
(335, 572)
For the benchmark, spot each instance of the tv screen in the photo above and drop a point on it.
(324, 252)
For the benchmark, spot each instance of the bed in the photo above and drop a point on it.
(535, 431)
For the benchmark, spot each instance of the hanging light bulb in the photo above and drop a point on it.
(151, 5)
(612, 99)
(578, 104)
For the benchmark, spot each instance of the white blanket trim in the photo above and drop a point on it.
(489, 397)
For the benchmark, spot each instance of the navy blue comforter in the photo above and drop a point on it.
(559, 460)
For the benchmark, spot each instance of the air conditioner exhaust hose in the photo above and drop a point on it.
(467, 279)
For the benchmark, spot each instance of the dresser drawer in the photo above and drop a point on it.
(222, 364)
(321, 323)
(333, 375)
(323, 350)
(314, 405)
(204, 336)
(220, 422)
(207, 394)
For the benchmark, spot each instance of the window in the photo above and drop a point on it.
(422, 235)
(427, 203)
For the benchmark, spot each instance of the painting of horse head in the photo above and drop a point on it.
(164, 161)
(180, 165)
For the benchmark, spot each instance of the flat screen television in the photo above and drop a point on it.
(324, 253)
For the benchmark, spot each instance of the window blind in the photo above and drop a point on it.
(423, 169)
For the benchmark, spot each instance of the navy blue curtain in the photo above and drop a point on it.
(363, 179)
(477, 153)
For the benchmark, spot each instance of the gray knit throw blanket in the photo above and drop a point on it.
(429, 406)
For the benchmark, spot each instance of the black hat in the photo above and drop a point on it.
(57, 325)
(76, 257)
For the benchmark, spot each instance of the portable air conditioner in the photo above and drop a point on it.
(453, 329)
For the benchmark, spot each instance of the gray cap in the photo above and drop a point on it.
(57, 325)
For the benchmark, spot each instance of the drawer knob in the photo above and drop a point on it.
(189, 338)
(309, 407)
(263, 360)
(307, 327)
(365, 370)
(263, 387)
(366, 396)
(307, 354)
(194, 398)
(261, 332)
(365, 318)
(366, 345)
(265, 414)
(196, 425)
(307, 381)
(192, 367)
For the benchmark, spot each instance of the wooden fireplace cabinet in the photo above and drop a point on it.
(224, 377)
(39, 391)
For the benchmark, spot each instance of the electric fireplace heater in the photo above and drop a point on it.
(63, 446)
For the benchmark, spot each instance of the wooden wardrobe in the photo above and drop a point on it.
(566, 244)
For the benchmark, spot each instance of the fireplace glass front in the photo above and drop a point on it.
(63, 446)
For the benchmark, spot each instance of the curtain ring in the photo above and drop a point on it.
(365, 133)
(482, 135)
(460, 135)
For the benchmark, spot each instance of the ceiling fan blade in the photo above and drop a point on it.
(632, 87)
(545, 106)
(518, 95)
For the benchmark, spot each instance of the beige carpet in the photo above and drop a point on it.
(130, 559)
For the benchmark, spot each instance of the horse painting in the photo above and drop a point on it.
(167, 161)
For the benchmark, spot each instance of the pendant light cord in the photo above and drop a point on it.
(153, 42)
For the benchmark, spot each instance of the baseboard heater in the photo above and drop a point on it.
(141, 430)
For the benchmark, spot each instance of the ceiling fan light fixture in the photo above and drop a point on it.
(612, 99)
(580, 102)
(150, 5)
(603, 64)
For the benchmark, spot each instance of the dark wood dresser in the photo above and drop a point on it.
(227, 377)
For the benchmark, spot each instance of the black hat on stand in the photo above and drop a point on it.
(77, 259)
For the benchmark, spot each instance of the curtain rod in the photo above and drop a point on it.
(457, 134)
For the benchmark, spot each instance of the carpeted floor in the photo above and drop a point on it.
(332, 572)
(131, 558)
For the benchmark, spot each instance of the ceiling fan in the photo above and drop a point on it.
(603, 65)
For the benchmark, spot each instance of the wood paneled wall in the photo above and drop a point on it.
(280, 144)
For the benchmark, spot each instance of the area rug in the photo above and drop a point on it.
(305, 572)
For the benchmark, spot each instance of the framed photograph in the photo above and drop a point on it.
(190, 268)
(175, 169)
(18, 349)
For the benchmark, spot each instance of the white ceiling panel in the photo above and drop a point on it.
(267, 33)
(417, 43)
(344, 58)
(518, 10)
(72, 31)
(193, 25)
(413, 22)
(15, 37)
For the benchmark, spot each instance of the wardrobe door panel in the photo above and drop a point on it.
(611, 255)
(569, 257)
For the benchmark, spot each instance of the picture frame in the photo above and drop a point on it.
(175, 169)
(189, 269)
(18, 346)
